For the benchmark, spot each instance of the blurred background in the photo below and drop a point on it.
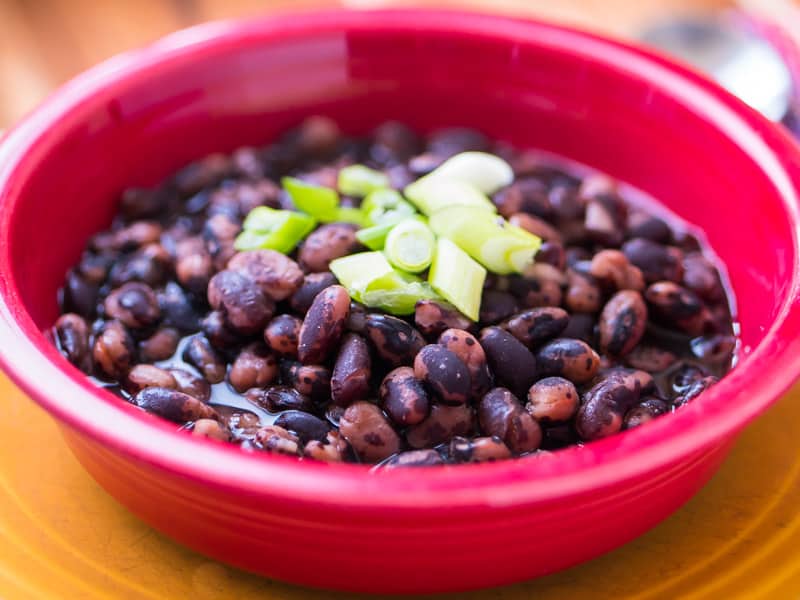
(45, 42)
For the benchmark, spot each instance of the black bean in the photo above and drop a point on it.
(532, 292)
(79, 296)
(622, 323)
(201, 354)
(333, 449)
(552, 399)
(278, 276)
(538, 227)
(512, 363)
(245, 307)
(219, 233)
(466, 347)
(113, 352)
(432, 317)
(650, 358)
(414, 458)
(318, 136)
(215, 327)
(404, 397)
(176, 308)
(159, 346)
(526, 195)
(393, 142)
(173, 405)
(500, 414)
(274, 438)
(606, 403)
(652, 228)
(644, 412)
(134, 305)
(313, 381)
(583, 293)
(313, 284)
(304, 425)
(581, 326)
(326, 244)
(194, 265)
(700, 276)
(191, 384)
(496, 306)
(442, 423)
(368, 432)
(694, 390)
(479, 449)
(323, 325)
(453, 140)
(657, 262)
(279, 398)
(444, 373)
(612, 270)
(255, 366)
(396, 341)
(143, 376)
(537, 325)
(282, 335)
(552, 253)
(352, 371)
(72, 335)
(679, 306)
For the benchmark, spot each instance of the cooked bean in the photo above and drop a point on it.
(536, 226)
(202, 355)
(323, 325)
(605, 405)
(113, 351)
(254, 366)
(393, 142)
(605, 212)
(644, 412)
(532, 292)
(274, 438)
(357, 319)
(500, 414)
(442, 423)
(694, 390)
(536, 326)
(278, 276)
(622, 323)
(613, 271)
(466, 347)
(432, 317)
(151, 265)
(333, 449)
(278, 398)
(71, 333)
(714, 349)
(327, 243)
(642, 225)
(650, 358)
(396, 341)
(701, 277)
(583, 294)
(685, 374)
(312, 284)
(552, 399)
(404, 397)
(211, 429)
(552, 253)
(219, 233)
(304, 425)
(173, 405)
(451, 140)
(581, 326)
(137, 234)
(657, 262)
(414, 458)
(134, 305)
(496, 306)
(527, 195)
(313, 381)
(318, 136)
(159, 346)
(177, 309)
(680, 306)
(79, 295)
(480, 449)
(143, 376)
(512, 363)
(366, 429)
(194, 265)
(351, 373)
(191, 384)
(216, 329)
(444, 373)
(282, 335)
(94, 268)
(245, 307)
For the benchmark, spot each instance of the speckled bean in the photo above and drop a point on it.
(323, 325)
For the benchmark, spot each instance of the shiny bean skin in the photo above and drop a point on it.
(216, 329)
(143, 376)
(583, 294)
(432, 317)
(173, 405)
(444, 373)
(612, 269)
(282, 335)
(211, 429)
(512, 363)
(650, 358)
(199, 353)
(304, 425)
(694, 390)
(403, 397)
(476, 450)
(333, 449)
(679, 306)
(79, 295)
(242, 302)
(538, 325)
(255, 366)
(159, 346)
(644, 412)
(176, 308)
(466, 347)
(194, 266)
(312, 284)
(72, 335)
(368, 432)
(323, 325)
(274, 438)
(327, 243)
(552, 399)
(352, 371)
(113, 352)
(134, 305)
(605, 404)
(278, 276)
(442, 423)
(313, 381)
(656, 261)
(396, 341)
(622, 323)
(500, 414)
(279, 398)
(701, 276)
(191, 384)
(496, 306)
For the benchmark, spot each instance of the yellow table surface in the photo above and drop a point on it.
(62, 536)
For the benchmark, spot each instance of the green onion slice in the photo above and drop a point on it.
(432, 194)
(485, 172)
(318, 201)
(386, 206)
(268, 228)
(457, 277)
(358, 180)
(410, 246)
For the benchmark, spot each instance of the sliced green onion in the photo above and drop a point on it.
(374, 237)
(486, 172)
(431, 195)
(356, 271)
(457, 277)
(318, 201)
(396, 294)
(268, 228)
(347, 214)
(493, 242)
(410, 246)
(386, 206)
(358, 180)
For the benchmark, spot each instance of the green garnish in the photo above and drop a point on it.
(268, 228)
(358, 180)
(397, 293)
(374, 237)
(485, 172)
(315, 200)
(386, 206)
(410, 246)
(356, 271)
(457, 277)
(348, 214)
(432, 194)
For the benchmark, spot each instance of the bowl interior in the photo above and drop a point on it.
(601, 104)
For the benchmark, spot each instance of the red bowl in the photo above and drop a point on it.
(620, 109)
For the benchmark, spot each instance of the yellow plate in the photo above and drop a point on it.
(61, 536)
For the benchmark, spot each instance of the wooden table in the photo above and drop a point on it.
(45, 42)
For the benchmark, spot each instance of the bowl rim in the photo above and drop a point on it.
(38, 370)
